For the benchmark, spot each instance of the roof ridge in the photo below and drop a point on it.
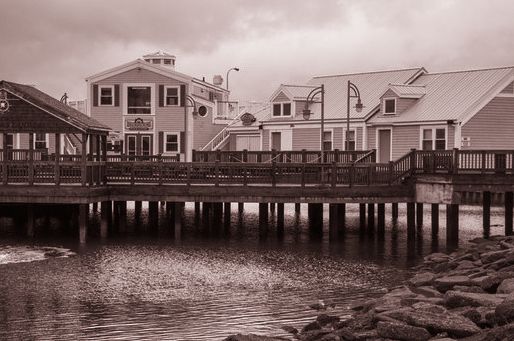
(369, 72)
(470, 70)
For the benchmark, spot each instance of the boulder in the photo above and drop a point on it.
(422, 279)
(435, 320)
(497, 334)
(493, 256)
(444, 284)
(506, 286)
(505, 311)
(251, 337)
(402, 331)
(455, 299)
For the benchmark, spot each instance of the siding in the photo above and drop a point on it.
(493, 126)
(404, 139)
(306, 138)
(281, 97)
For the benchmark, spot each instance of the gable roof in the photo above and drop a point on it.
(408, 90)
(293, 92)
(55, 107)
(454, 95)
(159, 69)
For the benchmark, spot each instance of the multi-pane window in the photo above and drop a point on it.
(327, 140)
(106, 95)
(390, 106)
(350, 140)
(40, 141)
(434, 139)
(139, 100)
(172, 143)
(172, 96)
(282, 109)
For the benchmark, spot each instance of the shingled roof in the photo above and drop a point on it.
(55, 108)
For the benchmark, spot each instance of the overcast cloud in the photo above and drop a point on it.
(56, 44)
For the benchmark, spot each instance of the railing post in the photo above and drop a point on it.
(218, 155)
(193, 153)
(374, 155)
(304, 156)
(31, 159)
(351, 174)
(336, 155)
(334, 174)
(273, 173)
(217, 173)
(245, 175)
(303, 174)
(483, 161)
(391, 172)
(160, 168)
(245, 155)
(456, 165)
(413, 165)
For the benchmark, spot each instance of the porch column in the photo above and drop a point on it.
(83, 208)
(83, 160)
(509, 203)
(5, 158)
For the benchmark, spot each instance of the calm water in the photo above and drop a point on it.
(211, 282)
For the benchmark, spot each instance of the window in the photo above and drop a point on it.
(282, 109)
(327, 140)
(172, 143)
(350, 140)
(434, 139)
(106, 95)
(172, 96)
(389, 106)
(10, 141)
(139, 100)
(40, 141)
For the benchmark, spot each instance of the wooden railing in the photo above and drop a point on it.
(302, 156)
(143, 170)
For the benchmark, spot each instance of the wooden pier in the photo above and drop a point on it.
(450, 178)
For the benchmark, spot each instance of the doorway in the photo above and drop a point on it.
(276, 141)
(139, 144)
(384, 146)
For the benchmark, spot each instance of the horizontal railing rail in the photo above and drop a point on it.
(278, 169)
(308, 156)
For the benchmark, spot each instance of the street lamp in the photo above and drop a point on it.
(307, 113)
(234, 68)
(358, 108)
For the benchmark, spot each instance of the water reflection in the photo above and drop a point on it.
(211, 278)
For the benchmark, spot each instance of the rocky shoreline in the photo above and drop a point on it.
(467, 296)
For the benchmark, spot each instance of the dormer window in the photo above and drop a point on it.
(389, 106)
(281, 109)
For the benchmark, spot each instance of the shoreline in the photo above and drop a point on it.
(467, 295)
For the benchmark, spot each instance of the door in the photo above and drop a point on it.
(139, 144)
(384, 146)
(276, 141)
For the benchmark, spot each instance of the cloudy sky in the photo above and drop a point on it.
(56, 44)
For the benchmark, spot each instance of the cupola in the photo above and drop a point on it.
(161, 58)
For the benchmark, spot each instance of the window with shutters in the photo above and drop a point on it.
(172, 143)
(172, 94)
(106, 94)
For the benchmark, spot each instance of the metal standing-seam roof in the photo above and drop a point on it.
(454, 95)
(371, 86)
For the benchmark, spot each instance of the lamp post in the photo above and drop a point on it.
(358, 107)
(234, 68)
(186, 123)
(307, 113)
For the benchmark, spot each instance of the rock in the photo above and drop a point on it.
(497, 334)
(345, 334)
(506, 286)
(311, 326)
(402, 331)
(455, 299)
(325, 319)
(436, 321)
(290, 330)
(444, 284)
(491, 257)
(422, 279)
(505, 311)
